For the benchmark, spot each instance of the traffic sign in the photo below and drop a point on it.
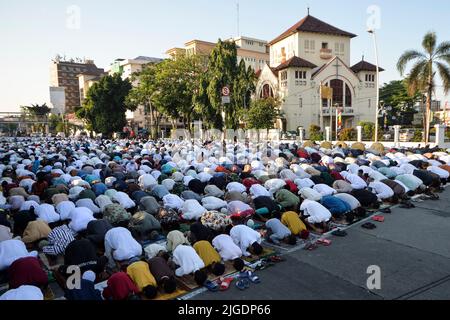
(226, 99)
(225, 91)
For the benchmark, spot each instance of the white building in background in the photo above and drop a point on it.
(310, 54)
(58, 100)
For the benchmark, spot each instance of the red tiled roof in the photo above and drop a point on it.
(365, 66)
(296, 62)
(312, 24)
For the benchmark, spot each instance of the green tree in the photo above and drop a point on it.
(142, 94)
(314, 133)
(262, 114)
(423, 72)
(223, 70)
(176, 82)
(395, 94)
(38, 112)
(104, 108)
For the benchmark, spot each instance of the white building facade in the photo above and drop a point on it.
(310, 54)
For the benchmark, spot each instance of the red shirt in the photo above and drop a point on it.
(120, 286)
(27, 271)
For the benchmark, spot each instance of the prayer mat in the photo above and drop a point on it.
(170, 296)
(188, 283)
(267, 252)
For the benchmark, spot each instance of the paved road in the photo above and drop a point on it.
(412, 248)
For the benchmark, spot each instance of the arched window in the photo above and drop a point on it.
(266, 91)
(348, 96)
(338, 91)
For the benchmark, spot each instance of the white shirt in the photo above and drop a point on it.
(258, 190)
(172, 201)
(244, 237)
(443, 174)
(88, 203)
(28, 204)
(124, 200)
(47, 213)
(152, 250)
(324, 190)
(12, 250)
(146, 181)
(80, 217)
(300, 172)
(120, 244)
(288, 174)
(213, 203)
(382, 190)
(236, 186)
(64, 208)
(23, 293)
(16, 202)
(377, 176)
(356, 181)
(226, 247)
(408, 168)
(351, 200)
(317, 213)
(103, 201)
(192, 210)
(27, 184)
(187, 259)
(310, 194)
(304, 183)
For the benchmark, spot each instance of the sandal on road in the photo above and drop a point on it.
(324, 242)
(253, 278)
(276, 259)
(339, 233)
(369, 226)
(211, 286)
(225, 283)
(378, 218)
(242, 284)
(264, 264)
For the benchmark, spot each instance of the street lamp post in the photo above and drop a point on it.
(372, 31)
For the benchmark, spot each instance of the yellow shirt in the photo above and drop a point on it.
(139, 272)
(292, 221)
(206, 251)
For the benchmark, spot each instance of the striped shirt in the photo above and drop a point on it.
(59, 239)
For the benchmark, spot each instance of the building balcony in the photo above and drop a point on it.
(325, 54)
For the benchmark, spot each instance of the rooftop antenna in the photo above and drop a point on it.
(308, 9)
(238, 19)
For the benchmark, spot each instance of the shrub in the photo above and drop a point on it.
(347, 134)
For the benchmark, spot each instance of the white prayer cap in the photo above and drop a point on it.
(89, 275)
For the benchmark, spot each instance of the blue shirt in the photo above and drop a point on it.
(335, 205)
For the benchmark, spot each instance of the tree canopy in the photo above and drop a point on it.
(224, 70)
(104, 108)
(435, 58)
(262, 113)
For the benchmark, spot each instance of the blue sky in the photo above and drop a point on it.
(33, 32)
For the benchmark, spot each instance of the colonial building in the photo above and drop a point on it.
(310, 54)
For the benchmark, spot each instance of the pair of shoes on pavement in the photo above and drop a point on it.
(222, 285)
(245, 278)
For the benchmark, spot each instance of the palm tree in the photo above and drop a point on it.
(422, 74)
